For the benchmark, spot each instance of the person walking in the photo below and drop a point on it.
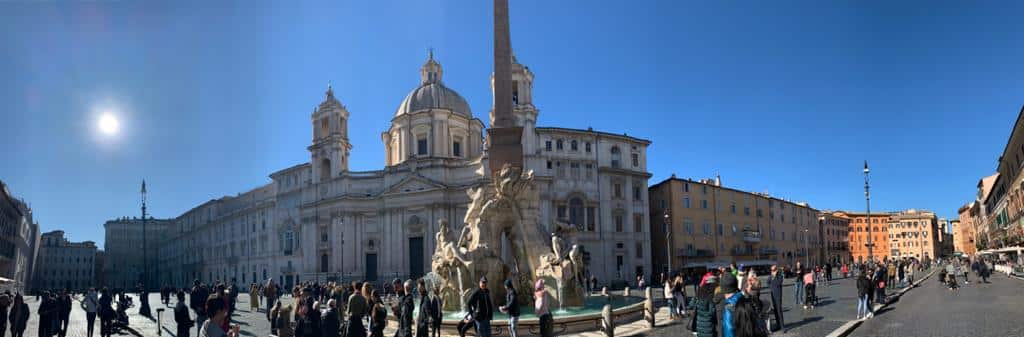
(963, 270)
(423, 314)
(217, 310)
(330, 324)
(403, 310)
(5, 304)
(809, 287)
(378, 315)
(106, 312)
(541, 309)
(91, 305)
(46, 311)
(254, 298)
(775, 286)
(283, 319)
(436, 315)
(480, 304)
(63, 312)
(704, 322)
(864, 309)
(798, 284)
(358, 305)
(197, 301)
(511, 307)
(670, 299)
(269, 295)
(181, 319)
(18, 316)
(731, 294)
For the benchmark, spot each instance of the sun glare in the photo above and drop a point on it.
(108, 124)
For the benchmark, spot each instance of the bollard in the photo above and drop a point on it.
(625, 292)
(604, 291)
(607, 321)
(159, 332)
(649, 306)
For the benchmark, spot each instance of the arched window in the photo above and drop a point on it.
(576, 211)
(325, 169)
(616, 156)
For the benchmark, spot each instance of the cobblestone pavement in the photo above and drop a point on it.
(976, 310)
(837, 304)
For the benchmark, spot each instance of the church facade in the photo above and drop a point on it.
(321, 221)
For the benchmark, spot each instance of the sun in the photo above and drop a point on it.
(108, 124)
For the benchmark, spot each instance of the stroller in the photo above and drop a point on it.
(121, 315)
(951, 281)
(810, 298)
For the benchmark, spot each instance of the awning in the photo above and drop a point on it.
(709, 264)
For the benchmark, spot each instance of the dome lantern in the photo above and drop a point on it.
(431, 70)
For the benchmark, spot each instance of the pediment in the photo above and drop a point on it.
(413, 184)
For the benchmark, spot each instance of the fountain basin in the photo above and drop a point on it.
(575, 319)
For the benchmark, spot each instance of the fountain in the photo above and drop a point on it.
(502, 236)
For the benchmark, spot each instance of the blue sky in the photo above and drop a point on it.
(787, 97)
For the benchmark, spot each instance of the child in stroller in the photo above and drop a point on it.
(809, 286)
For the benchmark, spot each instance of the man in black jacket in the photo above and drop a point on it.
(775, 284)
(64, 306)
(184, 323)
(404, 308)
(511, 308)
(423, 316)
(482, 307)
(330, 323)
(197, 301)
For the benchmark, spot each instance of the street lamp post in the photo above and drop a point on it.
(807, 248)
(668, 244)
(144, 308)
(867, 201)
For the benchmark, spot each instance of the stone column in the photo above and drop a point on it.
(649, 309)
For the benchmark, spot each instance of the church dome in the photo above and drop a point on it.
(433, 94)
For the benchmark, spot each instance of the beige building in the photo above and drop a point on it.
(914, 233)
(123, 265)
(835, 231)
(65, 264)
(709, 225)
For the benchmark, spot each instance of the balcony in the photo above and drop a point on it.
(751, 236)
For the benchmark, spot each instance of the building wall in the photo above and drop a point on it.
(964, 231)
(835, 231)
(711, 225)
(859, 232)
(123, 244)
(65, 264)
(914, 233)
(18, 242)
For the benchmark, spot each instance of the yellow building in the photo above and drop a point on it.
(701, 224)
(914, 233)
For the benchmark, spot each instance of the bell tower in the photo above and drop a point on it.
(330, 147)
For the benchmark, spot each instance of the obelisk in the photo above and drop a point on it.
(504, 136)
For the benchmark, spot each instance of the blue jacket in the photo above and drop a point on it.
(730, 304)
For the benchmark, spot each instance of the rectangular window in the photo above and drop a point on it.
(574, 146)
(732, 208)
(547, 145)
(636, 192)
(721, 230)
(560, 170)
(587, 147)
(421, 146)
(618, 190)
(590, 171)
(457, 149)
(636, 159)
(575, 169)
(686, 187)
(639, 250)
(559, 144)
(638, 223)
(689, 227)
(591, 219)
(686, 202)
(549, 164)
(746, 210)
(704, 204)
(618, 223)
(561, 212)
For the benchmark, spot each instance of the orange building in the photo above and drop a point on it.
(859, 235)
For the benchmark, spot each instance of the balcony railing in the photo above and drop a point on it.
(751, 236)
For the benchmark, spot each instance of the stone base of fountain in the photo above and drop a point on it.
(580, 319)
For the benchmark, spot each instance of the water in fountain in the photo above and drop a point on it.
(462, 294)
(561, 310)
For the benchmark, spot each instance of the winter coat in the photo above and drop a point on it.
(707, 324)
(863, 285)
(330, 323)
(19, 317)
